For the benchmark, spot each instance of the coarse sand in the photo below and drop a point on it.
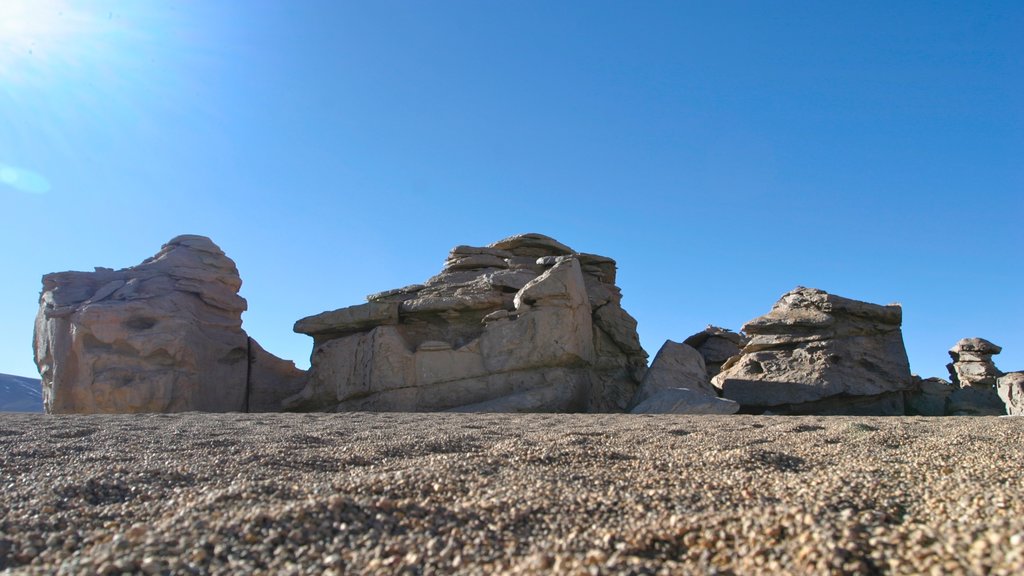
(497, 493)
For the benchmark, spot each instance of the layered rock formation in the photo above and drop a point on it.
(974, 377)
(817, 353)
(525, 324)
(716, 345)
(163, 336)
(972, 363)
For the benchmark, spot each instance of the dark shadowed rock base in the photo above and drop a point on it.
(537, 493)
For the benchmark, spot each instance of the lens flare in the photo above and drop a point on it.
(24, 180)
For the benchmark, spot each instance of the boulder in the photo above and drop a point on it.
(1010, 388)
(675, 366)
(928, 397)
(685, 401)
(813, 346)
(163, 336)
(972, 364)
(716, 345)
(509, 327)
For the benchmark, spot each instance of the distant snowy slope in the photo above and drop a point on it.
(19, 394)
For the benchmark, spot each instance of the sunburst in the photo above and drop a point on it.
(38, 36)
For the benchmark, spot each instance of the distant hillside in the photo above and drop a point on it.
(19, 394)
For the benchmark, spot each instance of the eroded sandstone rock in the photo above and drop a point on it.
(972, 363)
(1010, 388)
(525, 324)
(814, 346)
(676, 365)
(163, 336)
(716, 345)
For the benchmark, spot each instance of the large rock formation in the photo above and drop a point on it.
(972, 363)
(815, 352)
(525, 324)
(974, 376)
(163, 336)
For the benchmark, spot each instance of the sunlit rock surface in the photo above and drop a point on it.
(526, 324)
(818, 353)
(163, 336)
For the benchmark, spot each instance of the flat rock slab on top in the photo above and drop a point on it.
(813, 345)
(525, 324)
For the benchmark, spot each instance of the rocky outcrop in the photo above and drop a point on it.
(1010, 388)
(814, 346)
(677, 383)
(163, 336)
(928, 397)
(972, 363)
(974, 377)
(525, 324)
(716, 345)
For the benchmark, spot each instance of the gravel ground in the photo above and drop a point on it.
(486, 493)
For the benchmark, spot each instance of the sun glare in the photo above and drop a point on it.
(38, 35)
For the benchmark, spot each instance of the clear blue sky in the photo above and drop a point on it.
(722, 152)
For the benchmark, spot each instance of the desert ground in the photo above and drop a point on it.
(492, 493)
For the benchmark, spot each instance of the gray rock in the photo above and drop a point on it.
(1010, 388)
(685, 401)
(928, 397)
(813, 345)
(975, 401)
(524, 338)
(536, 245)
(347, 320)
(716, 345)
(271, 380)
(972, 364)
(885, 404)
(675, 366)
(475, 262)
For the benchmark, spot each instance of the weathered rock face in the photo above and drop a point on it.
(685, 401)
(675, 366)
(928, 397)
(1010, 387)
(972, 363)
(813, 346)
(163, 336)
(974, 376)
(525, 324)
(716, 345)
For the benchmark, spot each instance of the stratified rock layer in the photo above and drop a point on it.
(814, 346)
(972, 363)
(163, 336)
(716, 345)
(523, 325)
